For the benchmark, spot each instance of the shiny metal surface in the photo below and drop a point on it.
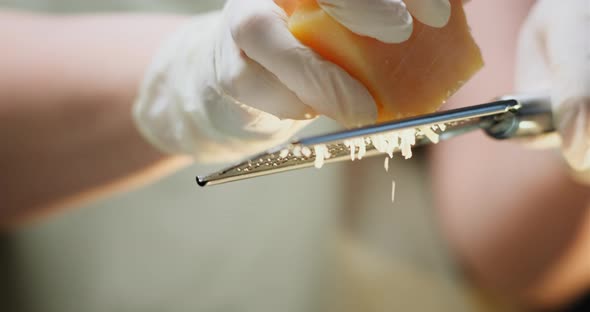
(509, 117)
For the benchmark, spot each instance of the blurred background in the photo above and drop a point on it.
(315, 240)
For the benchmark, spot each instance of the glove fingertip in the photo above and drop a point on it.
(362, 111)
(434, 13)
(386, 21)
(396, 34)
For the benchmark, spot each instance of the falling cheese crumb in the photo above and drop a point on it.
(393, 191)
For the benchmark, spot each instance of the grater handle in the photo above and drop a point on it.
(533, 117)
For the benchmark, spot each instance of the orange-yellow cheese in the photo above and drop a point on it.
(406, 79)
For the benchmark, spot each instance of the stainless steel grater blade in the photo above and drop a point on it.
(509, 117)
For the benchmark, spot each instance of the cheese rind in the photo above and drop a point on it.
(406, 79)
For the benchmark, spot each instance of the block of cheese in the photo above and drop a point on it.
(406, 79)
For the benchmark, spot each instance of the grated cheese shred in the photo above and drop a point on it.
(430, 134)
(321, 154)
(384, 143)
(306, 151)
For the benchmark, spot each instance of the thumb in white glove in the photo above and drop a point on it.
(232, 84)
(554, 55)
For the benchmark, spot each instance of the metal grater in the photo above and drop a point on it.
(509, 117)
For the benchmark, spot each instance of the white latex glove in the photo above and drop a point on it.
(387, 20)
(554, 56)
(236, 82)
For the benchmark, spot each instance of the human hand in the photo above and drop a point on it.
(236, 82)
(554, 56)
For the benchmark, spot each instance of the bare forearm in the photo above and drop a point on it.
(515, 217)
(66, 91)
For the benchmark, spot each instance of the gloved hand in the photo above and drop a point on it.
(554, 56)
(236, 82)
(387, 20)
